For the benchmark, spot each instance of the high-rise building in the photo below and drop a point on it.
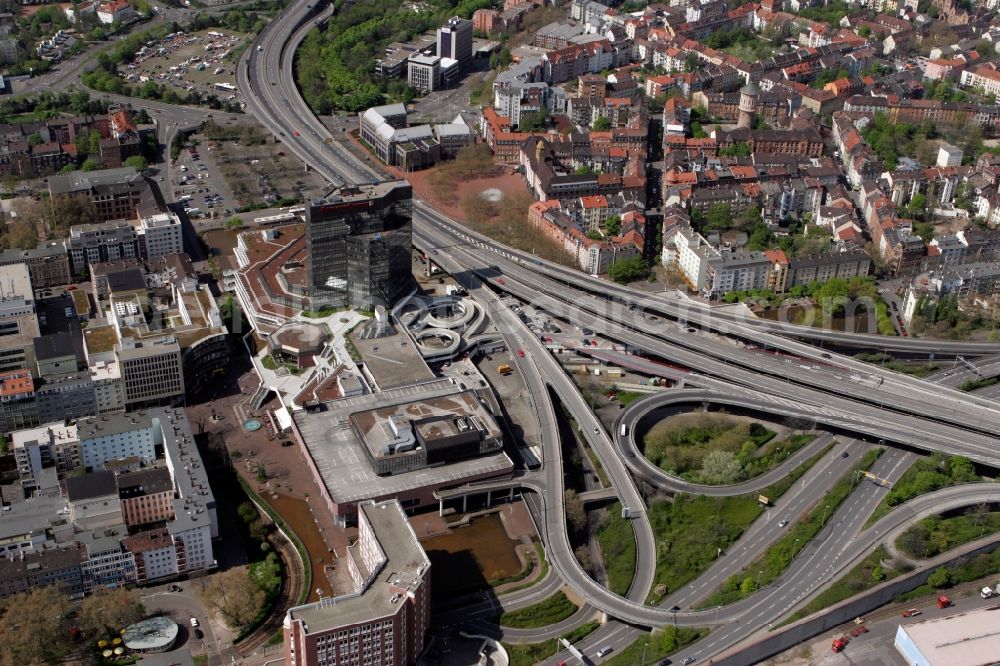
(358, 246)
(454, 40)
(385, 618)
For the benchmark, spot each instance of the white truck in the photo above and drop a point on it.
(989, 593)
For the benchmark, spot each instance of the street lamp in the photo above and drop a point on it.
(825, 510)
(644, 646)
(757, 587)
(674, 611)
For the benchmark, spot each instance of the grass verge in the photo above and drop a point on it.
(963, 571)
(865, 575)
(776, 559)
(525, 572)
(657, 645)
(690, 531)
(528, 654)
(927, 474)
(618, 545)
(554, 609)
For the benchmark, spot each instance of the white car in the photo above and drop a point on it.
(783, 523)
(194, 622)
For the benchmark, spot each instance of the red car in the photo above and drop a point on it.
(72, 287)
(297, 133)
(500, 281)
(520, 352)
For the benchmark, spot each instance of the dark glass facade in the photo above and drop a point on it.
(358, 241)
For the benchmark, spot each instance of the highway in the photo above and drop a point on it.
(899, 410)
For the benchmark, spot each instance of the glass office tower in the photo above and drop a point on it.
(358, 241)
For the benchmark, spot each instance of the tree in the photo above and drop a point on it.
(59, 213)
(137, 162)
(576, 514)
(628, 270)
(602, 124)
(107, 611)
(34, 628)
(718, 217)
(235, 222)
(21, 234)
(234, 594)
(90, 164)
(941, 577)
(613, 225)
(746, 586)
(720, 467)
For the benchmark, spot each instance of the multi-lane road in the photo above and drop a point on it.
(736, 361)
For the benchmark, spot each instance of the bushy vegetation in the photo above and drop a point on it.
(833, 297)
(692, 530)
(766, 568)
(942, 318)
(715, 449)
(549, 611)
(976, 384)
(618, 546)
(927, 474)
(335, 68)
(964, 570)
(935, 535)
(831, 13)
(628, 270)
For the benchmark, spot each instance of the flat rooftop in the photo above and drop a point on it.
(344, 465)
(374, 423)
(963, 639)
(402, 568)
(273, 266)
(391, 360)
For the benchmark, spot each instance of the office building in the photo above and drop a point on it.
(17, 400)
(36, 449)
(384, 618)
(454, 40)
(424, 73)
(18, 322)
(358, 246)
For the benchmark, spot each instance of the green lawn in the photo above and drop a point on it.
(618, 545)
(690, 531)
(549, 611)
(766, 568)
(528, 654)
(655, 646)
(927, 474)
(935, 535)
(626, 398)
(866, 574)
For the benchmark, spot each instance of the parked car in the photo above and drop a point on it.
(783, 523)
(911, 612)
(194, 622)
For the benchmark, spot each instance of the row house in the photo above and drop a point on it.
(549, 177)
(984, 77)
(576, 60)
(806, 142)
(774, 107)
(592, 255)
(916, 111)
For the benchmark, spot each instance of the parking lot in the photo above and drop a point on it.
(264, 173)
(199, 185)
(202, 61)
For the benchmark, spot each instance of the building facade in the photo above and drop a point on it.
(385, 619)
(358, 243)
